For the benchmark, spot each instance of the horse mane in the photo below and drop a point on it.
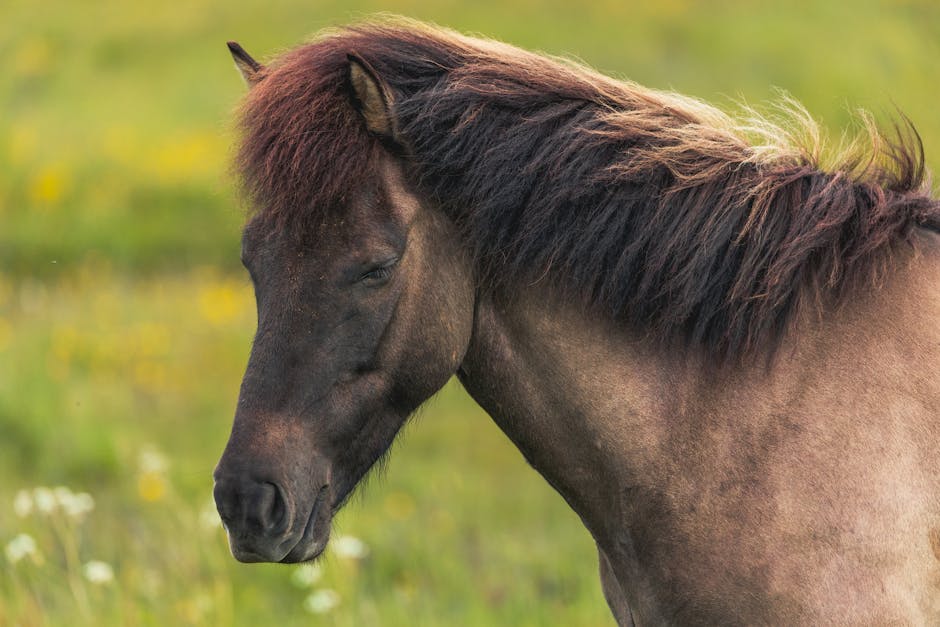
(667, 213)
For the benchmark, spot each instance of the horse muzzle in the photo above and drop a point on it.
(265, 524)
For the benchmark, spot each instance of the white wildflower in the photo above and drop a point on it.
(349, 547)
(19, 547)
(62, 495)
(306, 575)
(98, 572)
(23, 503)
(209, 517)
(151, 460)
(321, 601)
(45, 500)
(78, 505)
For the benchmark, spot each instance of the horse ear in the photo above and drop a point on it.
(251, 70)
(372, 98)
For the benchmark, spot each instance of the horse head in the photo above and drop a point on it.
(362, 316)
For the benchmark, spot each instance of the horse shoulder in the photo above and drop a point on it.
(815, 481)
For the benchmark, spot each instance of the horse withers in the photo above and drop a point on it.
(724, 358)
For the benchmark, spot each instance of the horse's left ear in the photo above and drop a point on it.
(372, 98)
(251, 70)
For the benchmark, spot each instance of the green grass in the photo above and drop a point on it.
(125, 321)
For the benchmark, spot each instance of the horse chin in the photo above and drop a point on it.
(316, 532)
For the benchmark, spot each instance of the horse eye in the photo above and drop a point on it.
(380, 274)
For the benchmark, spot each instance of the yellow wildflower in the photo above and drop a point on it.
(221, 303)
(48, 186)
(151, 486)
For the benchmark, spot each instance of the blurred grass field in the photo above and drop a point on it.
(125, 320)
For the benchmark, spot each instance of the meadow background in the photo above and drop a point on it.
(125, 319)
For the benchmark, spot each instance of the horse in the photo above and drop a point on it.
(724, 356)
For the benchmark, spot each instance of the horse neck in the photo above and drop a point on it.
(581, 399)
(607, 417)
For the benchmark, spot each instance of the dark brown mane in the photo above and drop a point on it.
(660, 209)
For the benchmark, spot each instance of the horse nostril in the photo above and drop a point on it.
(271, 508)
(246, 505)
(226, 501)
